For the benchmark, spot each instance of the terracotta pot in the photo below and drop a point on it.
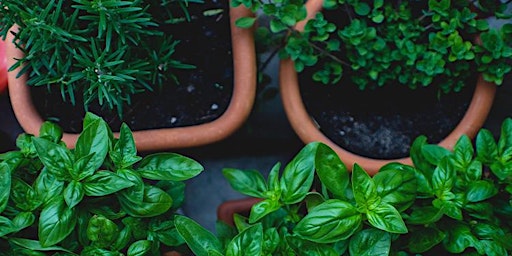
(244, 89)
(226, 210)
(306, 129)
(3, 67)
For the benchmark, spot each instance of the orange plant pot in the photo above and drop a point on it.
(306, 129)
(242, 100)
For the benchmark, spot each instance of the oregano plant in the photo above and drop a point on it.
(99, 198)
(374, 43)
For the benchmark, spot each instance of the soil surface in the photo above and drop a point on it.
(201, 96)
(383, 123)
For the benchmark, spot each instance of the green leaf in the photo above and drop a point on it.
(169, 166)
(6, 226)
(364, 189)
(443, 178)
(50, 131)
(155, 202)
(23, 220)
(425, 215)
(480, 190)
(55, 157)
(48, 186)
(305, 247)
(35, 245)
(387, 218)
(249, 182)
(332, 172)
(140, 248)
(124, 154)
(298, 175)
(486, 147)
(199, 240)
(370, 242)
(505, 141)
(262, 209)
(434, 153)
(420, 161)
(362, 8)
(5, 185)
(56, 222)
(104, 183)
(248, 243)
(424, 239)
(101, 231)
(73, 193)
(396, 184)
(459, 238)
(273, 178)
(93, 139)
(245, 22)
(329, 222)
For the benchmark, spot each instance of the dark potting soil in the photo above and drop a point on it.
(202, 95)
(382, 123)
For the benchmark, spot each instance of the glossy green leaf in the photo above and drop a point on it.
(463, 152)
(262, 209)
(93, 139)
(425, 215)
(332, 172)
(23, 220)
(5, 185)
(273, 177)
(364, 189)
(199, 240)
(298, 175)
(56, 222)
(304, 247)
(135, 192)
(370, 242)
(424, 239)
(73, 193)
(169, 166)
(104, 183)
(362, 8)
(35, 245)
(396, 184)
(55, 157)
(486, 146)
(248, 243)
(329, 222)
(155, 202)
(139, 248)
(48, 186)
(505, 141)
(175, 189)
(247, 182)
(449, 208)
(124, 154)
(101, 231)
(6, 226)
(443, 178)
(245, 22)
(434, 153)
(24, 196)
(420, 161)
(387, 218)
(459, 238)
(481, 190)
(51, 131)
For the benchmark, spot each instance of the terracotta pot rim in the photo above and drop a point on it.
(307, 130)
(239, 108)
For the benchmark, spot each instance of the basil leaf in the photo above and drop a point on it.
(104, 183)
(332, 172)
(50, 131)
(364, 189)
(305, 247)
(396, 185)
(175, 189)
(434, 153)
(23, 220)
(425, 215)
(248, 243)
(245, 22)
(443, 178)
(248, 182)
(55, 157)
(24, 196)
(169, 166)
(6, 226)
(56, 222)
(273, 178)
(139, 248)
(262, 209)
(424, 239)
(459, 238)
(122, 240)
(298, 175)
(154, 203)
(329, 222)
(480, 190)
(5, 185)
(47, 186)
(93, 139)
(450, 209)
(486, 147)
(199, 240)
(101, 231)
(505, 141)
(135, 192)
(419, 160)
(387, 218)
(124, 154)
(474, 171)
(73, 193)
(370, 242)
(463, 152)
(35, 245)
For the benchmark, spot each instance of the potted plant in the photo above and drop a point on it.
(386, 48)
(129, 52)
(100, 198)
(448, 202)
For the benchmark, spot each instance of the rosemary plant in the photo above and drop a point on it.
(106, 50)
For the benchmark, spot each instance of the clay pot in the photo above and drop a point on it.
(244, 89)
(226, 210)
(306, 129)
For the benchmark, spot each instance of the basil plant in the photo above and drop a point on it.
(100, 198)
(449, 202)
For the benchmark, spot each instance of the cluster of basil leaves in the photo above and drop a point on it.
(100, 198)
(374, 43)
(457, 201)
